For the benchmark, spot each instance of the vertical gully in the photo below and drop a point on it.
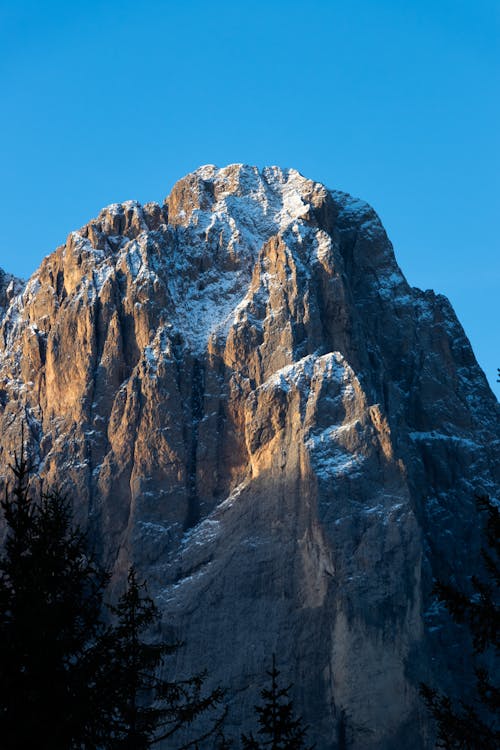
(197, 395)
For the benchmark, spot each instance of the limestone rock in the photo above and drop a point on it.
(245, 397)
(10, 286)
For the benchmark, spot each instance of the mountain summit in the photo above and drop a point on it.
(244, 397)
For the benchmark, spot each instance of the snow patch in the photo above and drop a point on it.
(202, 534)
(435, 435)
(100, 274)
(155, 529)
(329, 459)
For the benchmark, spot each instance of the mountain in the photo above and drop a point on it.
(244, 396)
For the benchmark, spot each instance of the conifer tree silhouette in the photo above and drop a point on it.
(150, 708)
(279, 728)
(68, 681)
(474, 725)
(50, 628)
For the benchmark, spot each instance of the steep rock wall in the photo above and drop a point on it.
(244, 396)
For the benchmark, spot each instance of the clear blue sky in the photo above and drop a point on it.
(395, 102)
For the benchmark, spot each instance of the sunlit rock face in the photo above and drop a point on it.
(245, 397)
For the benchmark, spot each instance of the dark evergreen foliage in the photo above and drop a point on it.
(148, 707)
(67, 680)
(50, 628)
(279, 728)
(222, 742)
(475, 726)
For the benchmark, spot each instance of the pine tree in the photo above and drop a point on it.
(279, 728)
(476, 725)
(148, 707)
(67, 680)
(51, 669)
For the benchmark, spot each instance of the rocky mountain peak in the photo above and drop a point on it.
(245, 397)
(273, 196)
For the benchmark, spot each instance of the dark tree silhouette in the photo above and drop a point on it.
(67, 680)
(279, 728)
(476, 725)
(148, 707)
(50, 629)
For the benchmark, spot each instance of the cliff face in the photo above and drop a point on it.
(245, 397)
(10, 286)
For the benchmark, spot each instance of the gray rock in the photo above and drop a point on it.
(245, 397)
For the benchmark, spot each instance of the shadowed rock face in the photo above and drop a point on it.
(10, 286)
(245, 397)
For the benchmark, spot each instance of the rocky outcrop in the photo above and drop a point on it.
(245, 397)
(10, 286)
